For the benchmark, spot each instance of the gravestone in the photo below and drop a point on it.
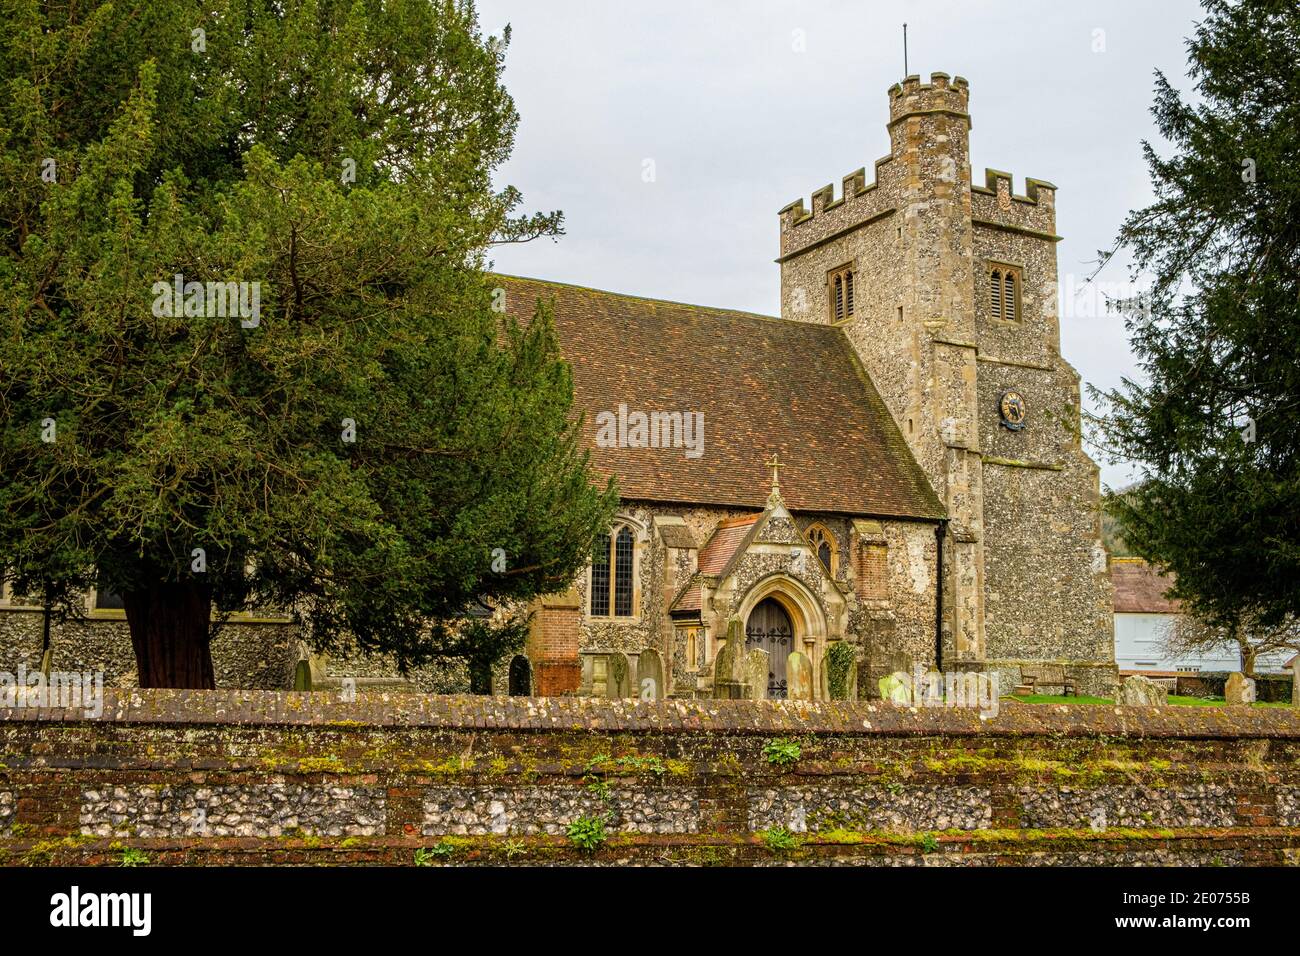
(519, 678)
(878, 660)
(1239, 689)
(799, 677)
(729, 664)
(650, 675)
(849, 688)
(595, 674)
(1295, 681)
(619, 679)
(757, 668)
(1139, 691)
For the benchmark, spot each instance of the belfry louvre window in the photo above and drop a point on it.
(1004, 293)
(612, 566)
(839, 285)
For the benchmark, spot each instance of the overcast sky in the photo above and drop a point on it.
(745, 106)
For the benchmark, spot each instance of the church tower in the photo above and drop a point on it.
(947, 292)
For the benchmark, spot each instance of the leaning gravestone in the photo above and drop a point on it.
(519, 677)
(757, 673)
(799, 677)
(1239, 689)
(1139, 691)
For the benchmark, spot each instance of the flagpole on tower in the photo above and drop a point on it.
(905, 74)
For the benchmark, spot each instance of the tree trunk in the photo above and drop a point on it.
(1248, 655)
(169, 631)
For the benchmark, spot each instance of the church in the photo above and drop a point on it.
(889, 474)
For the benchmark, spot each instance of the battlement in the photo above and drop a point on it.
(943, 94)
(1035, 189)
(853, 185)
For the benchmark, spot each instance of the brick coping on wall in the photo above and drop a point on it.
(566, 714)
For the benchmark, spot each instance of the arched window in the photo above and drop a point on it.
(613, 568)
(823, 543)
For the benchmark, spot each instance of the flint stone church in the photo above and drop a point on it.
(889, 474)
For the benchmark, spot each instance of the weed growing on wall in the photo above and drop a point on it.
(782, 752)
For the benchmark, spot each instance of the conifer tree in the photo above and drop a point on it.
(249, 356)
(1215, 422)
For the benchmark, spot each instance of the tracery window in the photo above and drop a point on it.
(613, 567)
(823, 543)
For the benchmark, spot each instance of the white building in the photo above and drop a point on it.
(1143, 615)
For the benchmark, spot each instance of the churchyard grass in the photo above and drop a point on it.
(1173, 699)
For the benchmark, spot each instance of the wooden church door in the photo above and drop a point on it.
(769, 629)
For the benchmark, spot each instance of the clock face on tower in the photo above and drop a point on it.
(1011, 406)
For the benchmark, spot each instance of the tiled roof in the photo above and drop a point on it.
(1140, 588)
(727, 537)
(691, 598)
(765, 386)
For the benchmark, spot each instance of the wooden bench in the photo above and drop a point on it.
(1038, 676)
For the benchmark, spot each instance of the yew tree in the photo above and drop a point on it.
(369, 442)
(1213, 421)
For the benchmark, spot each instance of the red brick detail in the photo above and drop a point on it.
(553, 646)
(556, 678)
(871, 571)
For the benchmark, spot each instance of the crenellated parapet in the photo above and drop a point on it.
(997, 205)
(923, 145)
(943, 94)
(853, 186)
(861, 202)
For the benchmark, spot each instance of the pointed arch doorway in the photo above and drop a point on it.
(770, 629)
